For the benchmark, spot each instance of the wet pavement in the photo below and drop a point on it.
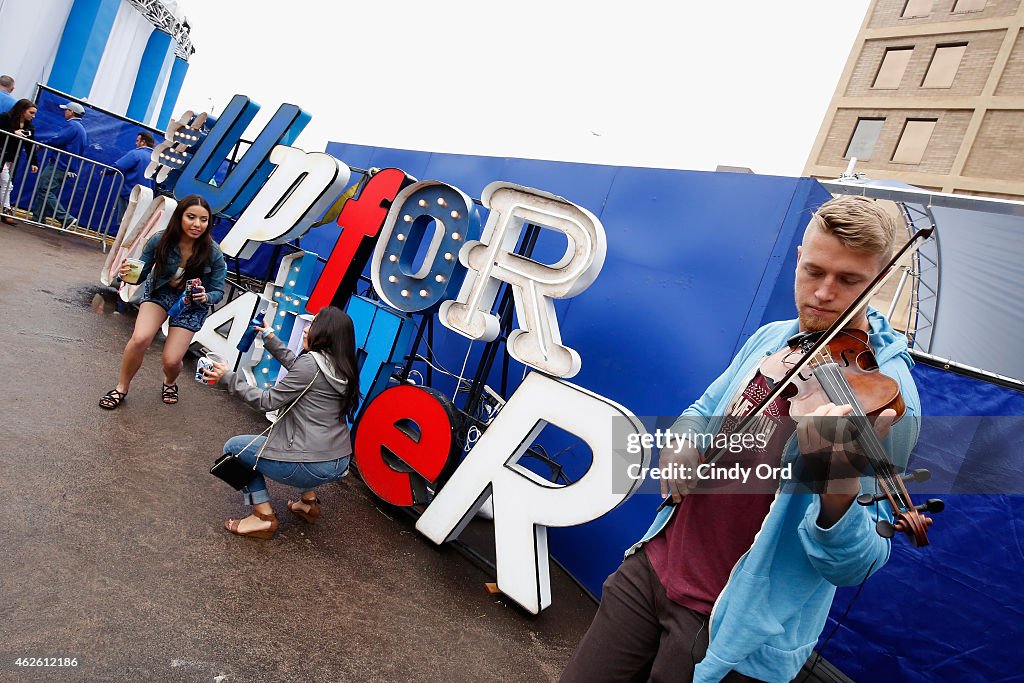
(112, 549)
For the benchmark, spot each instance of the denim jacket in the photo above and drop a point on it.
(213, 272)
(772, 610)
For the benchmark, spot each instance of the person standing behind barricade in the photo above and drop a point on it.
(133, 166)
(18, 122)
(309, 444)
(7, 100)
(182, 252)
(71, 138)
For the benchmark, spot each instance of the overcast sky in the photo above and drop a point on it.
(672, 84)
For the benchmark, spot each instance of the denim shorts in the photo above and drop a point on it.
(192, 318)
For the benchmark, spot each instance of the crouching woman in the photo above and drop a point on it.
(309, 445)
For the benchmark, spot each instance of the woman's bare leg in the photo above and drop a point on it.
(150, 318)
(175, 348)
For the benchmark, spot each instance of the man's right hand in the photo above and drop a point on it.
(684, 463)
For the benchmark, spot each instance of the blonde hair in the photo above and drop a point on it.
(859, 223)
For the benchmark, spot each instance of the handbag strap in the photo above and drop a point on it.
(278, 419)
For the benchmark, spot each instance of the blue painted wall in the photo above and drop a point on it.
(688, 253)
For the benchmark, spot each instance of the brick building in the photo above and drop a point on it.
(932, 95)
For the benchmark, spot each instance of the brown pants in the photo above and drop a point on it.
(639, 634)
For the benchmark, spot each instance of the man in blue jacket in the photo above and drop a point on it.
(133, 166)
(736, 586)
(7, 100)
(60, 169)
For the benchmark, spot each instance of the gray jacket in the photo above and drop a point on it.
(314, 430)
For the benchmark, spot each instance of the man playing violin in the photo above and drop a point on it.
(737, 586)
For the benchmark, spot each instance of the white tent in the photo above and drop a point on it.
(970, 279)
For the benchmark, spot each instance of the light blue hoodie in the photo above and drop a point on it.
(771, 612)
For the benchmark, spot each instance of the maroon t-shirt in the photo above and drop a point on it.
(710, 531)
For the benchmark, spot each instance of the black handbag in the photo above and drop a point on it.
(230, 467)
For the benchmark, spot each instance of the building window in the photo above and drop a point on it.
(916, 8)
(894, 63)
(962, 6)
(914, 141)
(945, 62)
(865, 135)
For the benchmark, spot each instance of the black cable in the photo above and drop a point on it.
(839, 622)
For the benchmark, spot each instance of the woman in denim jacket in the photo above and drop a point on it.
(309, 444)
(184, 251)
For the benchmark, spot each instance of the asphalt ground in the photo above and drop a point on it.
(112, 549)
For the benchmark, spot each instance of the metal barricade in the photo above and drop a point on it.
(55, 189)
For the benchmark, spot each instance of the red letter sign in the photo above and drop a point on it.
(411, 428)
(360, 217)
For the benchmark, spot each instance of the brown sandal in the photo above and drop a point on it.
(314, 509)
(264, 534)
(169, 393)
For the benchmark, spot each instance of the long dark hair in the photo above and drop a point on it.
(201, 251)
(19, 109)
(333, 334)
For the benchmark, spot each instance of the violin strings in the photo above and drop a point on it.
(842, 391)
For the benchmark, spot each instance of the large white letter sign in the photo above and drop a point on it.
(455, 222)
(171, 154)
(534, 285)
(301, 189)
(136, 229)
(238, 312)
(138, 203)
(524, 503)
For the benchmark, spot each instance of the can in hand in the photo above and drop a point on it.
(202, 364)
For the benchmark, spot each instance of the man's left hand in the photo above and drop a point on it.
(828, 444)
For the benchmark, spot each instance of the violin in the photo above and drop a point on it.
(832, 371)
(844, 372)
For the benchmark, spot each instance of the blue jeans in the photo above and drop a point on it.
(46, 202)
(304, 476)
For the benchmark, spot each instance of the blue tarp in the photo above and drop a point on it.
(696, 262)
(943, 612)
(110, 137)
